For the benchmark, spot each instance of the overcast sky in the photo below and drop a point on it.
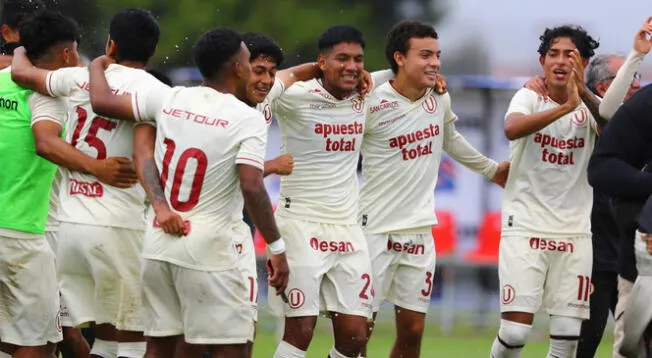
(510, 28)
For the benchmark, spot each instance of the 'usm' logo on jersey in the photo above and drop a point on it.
(357, 104)
(580, 117)
(430, 104)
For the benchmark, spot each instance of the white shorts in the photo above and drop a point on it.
(207, 307)
(330, 270)
(404, 269)
(29, 295)
(247, 256)
(555, 273)
(99, 275)
(52, 237)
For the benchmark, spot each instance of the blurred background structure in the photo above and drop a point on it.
(489, 51)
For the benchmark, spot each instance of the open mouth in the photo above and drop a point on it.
(261, 91)
(560, 74)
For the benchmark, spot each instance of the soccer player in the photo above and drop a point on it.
(197, 287)
(31, 127)
(408, 127)
(545, 248)
(14, 13)
(322, 122)
(100, 236)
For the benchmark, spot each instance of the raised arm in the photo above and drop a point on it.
(620, 85)
(25, 74)
(519, 124)
(104, 101)
(304, 72)
(150, 178)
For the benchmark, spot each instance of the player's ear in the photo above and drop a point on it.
(321, 62)
(585, 62)
(111, 48)
(399, 58)
(9, 34)
(542, 60)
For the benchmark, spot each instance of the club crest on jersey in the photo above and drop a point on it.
(357, 104)
(267, 113)
(430, 104)
(580, 117)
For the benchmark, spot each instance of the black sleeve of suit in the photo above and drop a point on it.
(624, 147)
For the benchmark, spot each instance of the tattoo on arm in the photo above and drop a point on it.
(152, 182)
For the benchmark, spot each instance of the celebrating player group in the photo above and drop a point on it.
(122, 198)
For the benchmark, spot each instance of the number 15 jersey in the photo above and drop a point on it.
(84, 199)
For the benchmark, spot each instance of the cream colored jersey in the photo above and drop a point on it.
(202, 135)
(547, 192)
(84, 199)
(323, 134)
(401, 151)
(265, 107)
(46, 108)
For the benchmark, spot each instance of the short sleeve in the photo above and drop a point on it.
(62, 82)
(148, 102)
(277, 90)
(523, 102)
(253, 142)
(380, 77)
(46, 108)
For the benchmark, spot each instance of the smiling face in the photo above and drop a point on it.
(263, 74)
(421, 63)
(342, 66)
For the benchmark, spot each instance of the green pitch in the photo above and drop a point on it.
(464, 342)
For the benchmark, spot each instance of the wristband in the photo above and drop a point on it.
(277, 247)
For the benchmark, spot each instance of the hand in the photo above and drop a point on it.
(277, 266)
(365, 84)
(648, 242)
(577, 73)
(440, 86)
(115, 171)
(171, 222)
(573, 99)
(282, 165)
(642, 43)
(20, 51)
(502, 172)
(103, 61)
(538, 85)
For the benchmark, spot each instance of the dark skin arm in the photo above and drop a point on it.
(260, 209)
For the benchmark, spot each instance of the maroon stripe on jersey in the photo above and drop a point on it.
(249, 159)
(49, 84)
(45, 117)
(138, 116)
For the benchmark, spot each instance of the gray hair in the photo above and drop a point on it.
(599, 70)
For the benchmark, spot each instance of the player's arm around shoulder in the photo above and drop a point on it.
(522, 119)
(25, 74)
(104, 101)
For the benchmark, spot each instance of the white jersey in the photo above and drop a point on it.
(84, 199)
(202, 135)
(547, 192)
(323, 134)
(401, 151)
(265, 107)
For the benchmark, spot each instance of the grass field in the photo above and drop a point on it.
(463, 342)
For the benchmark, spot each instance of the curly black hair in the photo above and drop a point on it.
(259, 44)
(45, 30)
(136, 33)
(14, 12)
(585, 44)
(398, 38)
